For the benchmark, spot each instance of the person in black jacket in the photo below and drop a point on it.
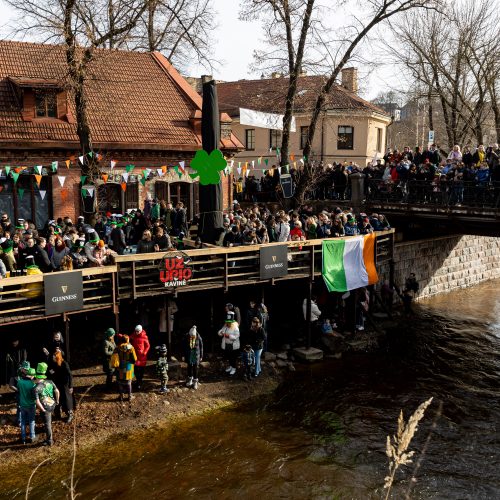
(256, 338)
(60, 373)
(146, 245)
(117, 238)
(41, 257)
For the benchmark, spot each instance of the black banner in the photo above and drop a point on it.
(286, 185)
(63, 292)
(273, 261)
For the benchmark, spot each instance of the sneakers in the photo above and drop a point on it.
(70, 418)
(228, 369)
(164, 390)
(195, 384)
(232, 371)
(360, 328)
(189, 382)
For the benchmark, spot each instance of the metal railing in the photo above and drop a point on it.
(447, 193)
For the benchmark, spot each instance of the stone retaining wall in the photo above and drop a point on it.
(446, 263)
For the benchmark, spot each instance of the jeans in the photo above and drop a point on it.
(48, 426)
(27, 418)
(258, 354)
(193, 371)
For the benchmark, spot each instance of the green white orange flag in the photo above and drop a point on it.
(349, 263)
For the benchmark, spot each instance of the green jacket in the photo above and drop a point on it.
(26, 389)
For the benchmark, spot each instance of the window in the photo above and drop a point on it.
(274, 139)
(345, 138)
(250, 139)
(379, 140)
(304, 132)
(45, 104)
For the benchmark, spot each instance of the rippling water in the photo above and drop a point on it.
(322, 435)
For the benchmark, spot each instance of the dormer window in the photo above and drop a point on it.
(45, 104)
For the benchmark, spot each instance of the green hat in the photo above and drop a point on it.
(109, 332)
(94, 239)
(41, 370)
(31, 372)
(114, 223)
(24, 367)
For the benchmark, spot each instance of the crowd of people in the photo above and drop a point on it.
(444, 175)
(48, 388)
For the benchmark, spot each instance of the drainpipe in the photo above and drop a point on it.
(323, 137)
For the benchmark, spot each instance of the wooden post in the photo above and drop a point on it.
(134, 291)
(169, 329)
(212, 322)
(66, 336)
(308, 314)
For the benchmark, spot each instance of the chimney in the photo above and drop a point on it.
(350, 79)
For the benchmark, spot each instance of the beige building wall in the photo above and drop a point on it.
(325, 144)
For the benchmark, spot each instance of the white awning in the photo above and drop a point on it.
(263, 120)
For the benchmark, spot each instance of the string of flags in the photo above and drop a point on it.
(179, 169)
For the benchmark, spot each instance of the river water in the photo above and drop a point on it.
(322, 434)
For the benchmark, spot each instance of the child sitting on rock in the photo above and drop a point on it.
(162, 368)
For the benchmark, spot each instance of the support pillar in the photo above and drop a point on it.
(308, 314)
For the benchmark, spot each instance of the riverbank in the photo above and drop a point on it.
(100, 416)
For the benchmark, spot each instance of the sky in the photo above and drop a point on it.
(235, 42)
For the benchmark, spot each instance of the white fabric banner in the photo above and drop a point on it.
(263, 120)
(42, 194)
(61, 180)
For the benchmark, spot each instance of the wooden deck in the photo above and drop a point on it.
(138, 276)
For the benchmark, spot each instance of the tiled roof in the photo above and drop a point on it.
(133, 98)
(269, 95)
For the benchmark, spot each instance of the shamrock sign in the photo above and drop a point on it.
(208, 166)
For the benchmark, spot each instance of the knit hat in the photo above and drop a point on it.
(41, 370)
(101, 244)
(30, 262)
(138, 328)
(230, 317)
(161, 349)
(109, 333)
(192, 331)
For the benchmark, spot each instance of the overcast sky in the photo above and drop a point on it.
(236, 41)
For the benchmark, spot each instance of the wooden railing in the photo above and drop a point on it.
(137, 276)
(22, 297)
(222, 268)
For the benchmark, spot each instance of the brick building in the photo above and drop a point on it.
(141, 112)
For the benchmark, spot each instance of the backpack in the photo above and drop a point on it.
(114, 362)
(47, 396)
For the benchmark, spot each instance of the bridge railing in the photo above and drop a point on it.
(222, 268)
(446, 193)
(22, 297)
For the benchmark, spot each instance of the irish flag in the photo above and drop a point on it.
(349, 263)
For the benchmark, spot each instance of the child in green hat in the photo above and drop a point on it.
(25, 387)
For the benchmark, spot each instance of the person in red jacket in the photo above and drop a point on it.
(140, 342)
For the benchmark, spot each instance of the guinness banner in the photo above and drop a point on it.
(63, 292)
(273, 261)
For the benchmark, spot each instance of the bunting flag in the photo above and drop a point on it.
(125, 177)
(104, 178)
(246, 165)
(349, 264)
(247, 173)
(64, 194)
(143, 181)
(54, 166)
(148, 171)
(7, 170)
(113, 163)
(83, 178)
(19, 169)
(38, 179)
(294, 164)
(160, 172)
(20, 192)
(82, 159)
(302, 161)
(91, 191)
(253, 163)
(182, 166)
(129, 168)
(304, 158)
(42, 194)
(84, 192)
(266, 161)
(15, 176)
(124, 186)
(90, 154)
(164, 169)
(239, 170)
(68, 163)
(259, 160)
(232, 164)
(38, 169)
(99, 157)
(292, 157)
(61, 180)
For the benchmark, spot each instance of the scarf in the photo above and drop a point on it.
(192, 342)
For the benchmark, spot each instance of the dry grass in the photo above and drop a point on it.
(397, 446)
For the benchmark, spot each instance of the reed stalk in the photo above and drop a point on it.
(397, 446)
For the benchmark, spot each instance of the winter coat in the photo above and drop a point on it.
(63, 380)
(140, 342)
(127, 356)
(195, 355)
(256, 338)
(230, 335)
